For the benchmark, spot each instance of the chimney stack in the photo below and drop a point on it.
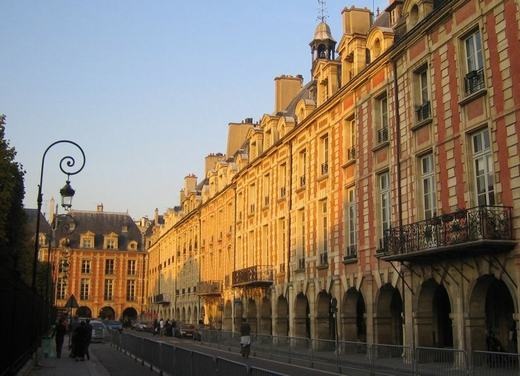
(99, 208)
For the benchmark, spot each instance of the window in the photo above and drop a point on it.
(302, 168)
(483, 168)
(109, 266)
(130, 290)
(350, 139)
(428, 186)
(85, 266)
(111, 244)
(61, 288)
(109, 289)
(324, 233)
(324, 154)
(252, 198)
(87, 242)
(351, 222)
(282, 178)
(301, 258)
(282, 242)
(84, 288)
(382, 119)
(384, 204)
(111, 241)
(474, 79)
(63, 266)
(266, 187)
(422, 108)
(131, 266)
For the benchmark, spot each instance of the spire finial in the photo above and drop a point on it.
(322, 11)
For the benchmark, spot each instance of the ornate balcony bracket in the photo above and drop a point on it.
(479, 230)
(254, 276)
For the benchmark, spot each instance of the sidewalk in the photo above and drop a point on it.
(65, 366)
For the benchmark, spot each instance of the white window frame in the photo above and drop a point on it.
(383, 180)
(351, 220)
(427, 185)
(483, 168)
(84, 289)
(86, 266)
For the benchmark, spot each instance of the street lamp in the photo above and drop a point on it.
(67, 164)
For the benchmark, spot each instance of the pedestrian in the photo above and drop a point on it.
(79, 341)
(59, 334)
(74, 324)
(155, 327)
(161, 327)
(89, 338)
(245, 338)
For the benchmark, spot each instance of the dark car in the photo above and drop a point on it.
(113, 325)
(187, 330)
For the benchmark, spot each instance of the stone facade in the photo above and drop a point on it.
(379, 202)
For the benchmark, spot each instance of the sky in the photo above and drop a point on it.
(146, 88)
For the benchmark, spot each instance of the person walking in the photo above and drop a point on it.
(88, 338)
(245, 338)
(155, 327)
(161, 327)
(59, 334)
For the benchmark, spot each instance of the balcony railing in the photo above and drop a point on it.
(324, 259)
(208, 288)
(477, 230)
(260, 275)
(161, 299)
(351, 153)
(382, 135)
(324, 168)
(423, 111)
(474, 81)
(351, 253)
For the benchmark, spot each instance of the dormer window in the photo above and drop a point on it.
(414, 15)
(87, 240)
(111, 241)
(132, 246)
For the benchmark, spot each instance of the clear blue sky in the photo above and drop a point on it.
(146, 87)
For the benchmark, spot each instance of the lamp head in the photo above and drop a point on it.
(67, 193)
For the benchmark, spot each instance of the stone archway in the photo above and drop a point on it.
(189, 318)
(282, 317)
(434, 326)
(302, 321)
(107, 313)
(353, 316)
(195, 315)
(265, 317)
(228, 316)
(84, 311)
(389, 319)
(324, 319)
(177, 314)
(183, 315)
(129, 315)
(252, 315)
(491, 311)
(239, 312)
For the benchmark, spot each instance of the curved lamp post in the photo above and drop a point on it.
(67, 166)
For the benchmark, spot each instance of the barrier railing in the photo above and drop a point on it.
(484, 363)
(174, 360)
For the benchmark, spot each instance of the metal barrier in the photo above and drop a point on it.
(230, 368)
(203, 364)
(484, 363)
(440, 361)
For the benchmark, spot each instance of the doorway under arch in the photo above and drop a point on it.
(239, 312)
(107, 313)
(228, 313)
(252, 315)
(324, 318)
(353, 316)
(491, 311)
(84, 311)
(389, 319)
(129, 314)
(265, 317)
(282, 317)
(434, 326)
(302, 320)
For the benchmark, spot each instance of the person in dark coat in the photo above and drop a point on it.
(89, 338)
(79, 341)
(245, 338)
(59, 334)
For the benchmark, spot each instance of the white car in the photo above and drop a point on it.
(99, 331)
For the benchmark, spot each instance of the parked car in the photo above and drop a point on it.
(113, 325)
(187, 330)
(99, 331)
(140, 326)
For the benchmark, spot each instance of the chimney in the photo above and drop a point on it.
(99, 208)
(156, 216)
(52, 209)
(211, 161)
(190, 184)
(237, 134)
(285, 89)
(356, 20)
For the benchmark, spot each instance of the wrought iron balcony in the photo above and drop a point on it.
(209, 288)
(423, 111)
(382, 135)
(474, 81)
(477, 230)
(161, 299)
(253, 276)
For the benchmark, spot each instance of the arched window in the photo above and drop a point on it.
(414, 15)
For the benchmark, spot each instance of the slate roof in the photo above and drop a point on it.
(45, 227)
(101, 224)
(305, 93)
